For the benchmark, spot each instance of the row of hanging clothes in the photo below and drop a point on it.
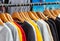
(30, 26)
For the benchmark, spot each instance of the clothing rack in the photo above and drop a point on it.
(29, 4)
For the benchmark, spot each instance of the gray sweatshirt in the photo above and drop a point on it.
(43, 27)
(5, 33)
(13, 30)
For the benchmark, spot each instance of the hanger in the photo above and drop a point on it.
(16, 16)
(48, 13)
(52, 12)
(1, 22)
(42, 16)
(9, 17)
(22, 14)
(26, 14)
(32, 16)
(56, 12)
(39, 14)
(3, 17)
(36, 15)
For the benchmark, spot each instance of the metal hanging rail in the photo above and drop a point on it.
(29, 4)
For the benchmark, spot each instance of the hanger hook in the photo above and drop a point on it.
(21, 7)
(30, 5)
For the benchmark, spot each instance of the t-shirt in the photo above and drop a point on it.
(30, 33)
(23, 33)
(38, 32)
(44, 30)
(53, 29)
(5, 33)
(19, 31)
(13, 30)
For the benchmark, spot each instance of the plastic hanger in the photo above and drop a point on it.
(48, 13)
(32, 16)
(9, 17)
(36, 15)
(52, 12)
(42, 16)
(16, 16)
(1, 22)
(3, 17)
